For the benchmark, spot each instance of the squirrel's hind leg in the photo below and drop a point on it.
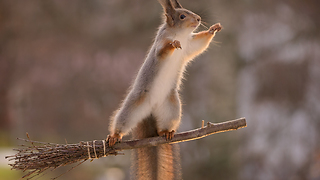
(133, 110)
(168, 115)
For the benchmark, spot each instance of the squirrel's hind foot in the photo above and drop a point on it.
(112, 139)
(168, 134)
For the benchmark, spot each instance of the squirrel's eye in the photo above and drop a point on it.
(182, 16)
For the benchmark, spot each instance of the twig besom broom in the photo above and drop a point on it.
(41, 156)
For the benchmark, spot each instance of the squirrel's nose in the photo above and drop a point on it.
(198, 18)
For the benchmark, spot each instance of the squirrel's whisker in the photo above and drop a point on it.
(204, 25)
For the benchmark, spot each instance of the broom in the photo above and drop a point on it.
(38, 157)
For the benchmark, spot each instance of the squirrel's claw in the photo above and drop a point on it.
(168, 134)
(176, 44)
(215, 28)
(112, 139)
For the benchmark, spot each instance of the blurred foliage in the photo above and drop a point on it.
(7, 174)
(66, 65)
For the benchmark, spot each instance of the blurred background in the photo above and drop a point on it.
(66, 65)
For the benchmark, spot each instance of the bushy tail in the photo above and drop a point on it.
(154, 163)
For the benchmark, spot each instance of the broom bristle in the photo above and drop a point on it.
(38, 157)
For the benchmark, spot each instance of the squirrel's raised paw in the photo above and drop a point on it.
(176, 44)
(112, 139)
(215, 28)
(168, 134)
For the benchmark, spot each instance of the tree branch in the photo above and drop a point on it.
(184, 136)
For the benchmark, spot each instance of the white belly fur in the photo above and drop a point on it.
(168, 76)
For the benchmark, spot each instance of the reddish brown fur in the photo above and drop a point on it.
(204, 35)
(166, 162)
(140, 100)
(167, 49)
(160, 162)
(173, 98)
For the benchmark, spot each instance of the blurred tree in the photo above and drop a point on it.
(66, 65)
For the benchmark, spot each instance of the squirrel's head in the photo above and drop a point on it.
(178, 17)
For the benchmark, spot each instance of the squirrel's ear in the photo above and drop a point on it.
(176, 4)
(170, 20)
(169, 11)
(167, 7)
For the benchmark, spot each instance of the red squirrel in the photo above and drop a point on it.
(152, 107)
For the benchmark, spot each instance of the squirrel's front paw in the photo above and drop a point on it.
(215, 28)
(168, 134)
(176, 44)
(112, 139)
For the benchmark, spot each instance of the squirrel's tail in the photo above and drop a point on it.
(154, 163)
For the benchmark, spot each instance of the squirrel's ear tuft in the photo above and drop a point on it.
(167, 7)
(169, 11)
(176, 4)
